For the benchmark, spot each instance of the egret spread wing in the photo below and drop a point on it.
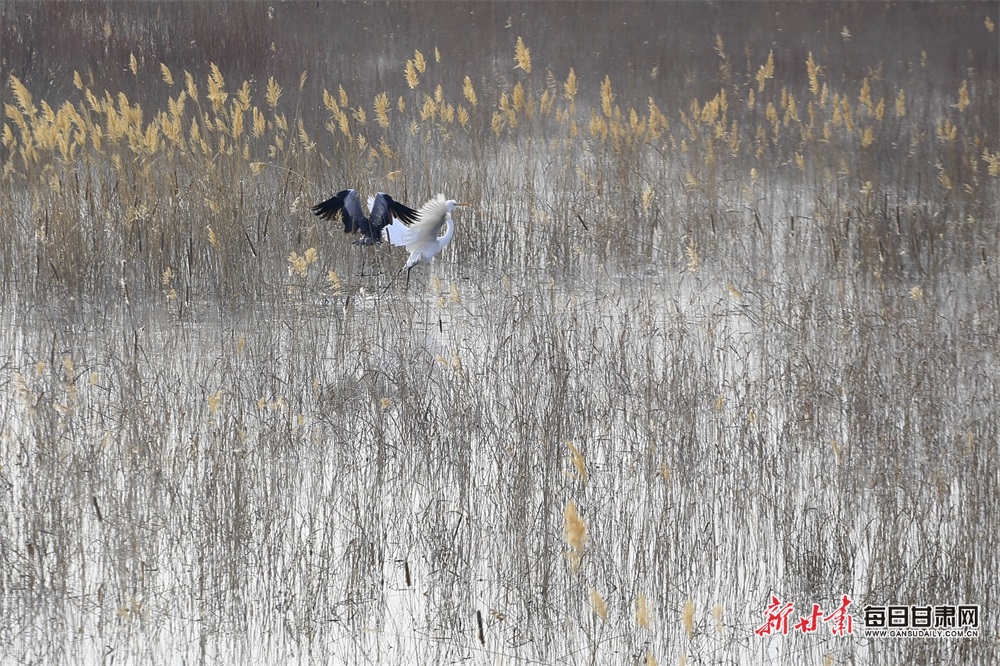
(427, 227)
(423, 238)
(396, 233)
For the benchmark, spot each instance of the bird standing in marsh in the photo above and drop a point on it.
(423, 238)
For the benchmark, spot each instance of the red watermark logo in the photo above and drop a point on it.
(840, 622)
(891, 621)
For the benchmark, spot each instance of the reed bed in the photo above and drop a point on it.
(690, 348)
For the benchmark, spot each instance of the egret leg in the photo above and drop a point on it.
(408, 276)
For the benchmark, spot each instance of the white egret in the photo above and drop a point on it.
(384, 211)
(423, 238)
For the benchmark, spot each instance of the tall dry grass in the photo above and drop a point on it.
(204, 189)
(689, 349)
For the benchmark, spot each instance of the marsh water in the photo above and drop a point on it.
(746, 384)
(275, 486)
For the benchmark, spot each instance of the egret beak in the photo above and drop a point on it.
(463, 204)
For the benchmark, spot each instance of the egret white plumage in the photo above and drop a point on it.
(384, 210)
(423, 238)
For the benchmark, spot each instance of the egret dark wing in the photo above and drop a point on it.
(404, 213)
(380, 216)
(347, 203)
(384, 212)
(327, 210)
(384, 209)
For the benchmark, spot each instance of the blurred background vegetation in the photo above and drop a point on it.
(681, 127)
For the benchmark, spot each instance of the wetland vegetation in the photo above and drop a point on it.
(722, 324)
